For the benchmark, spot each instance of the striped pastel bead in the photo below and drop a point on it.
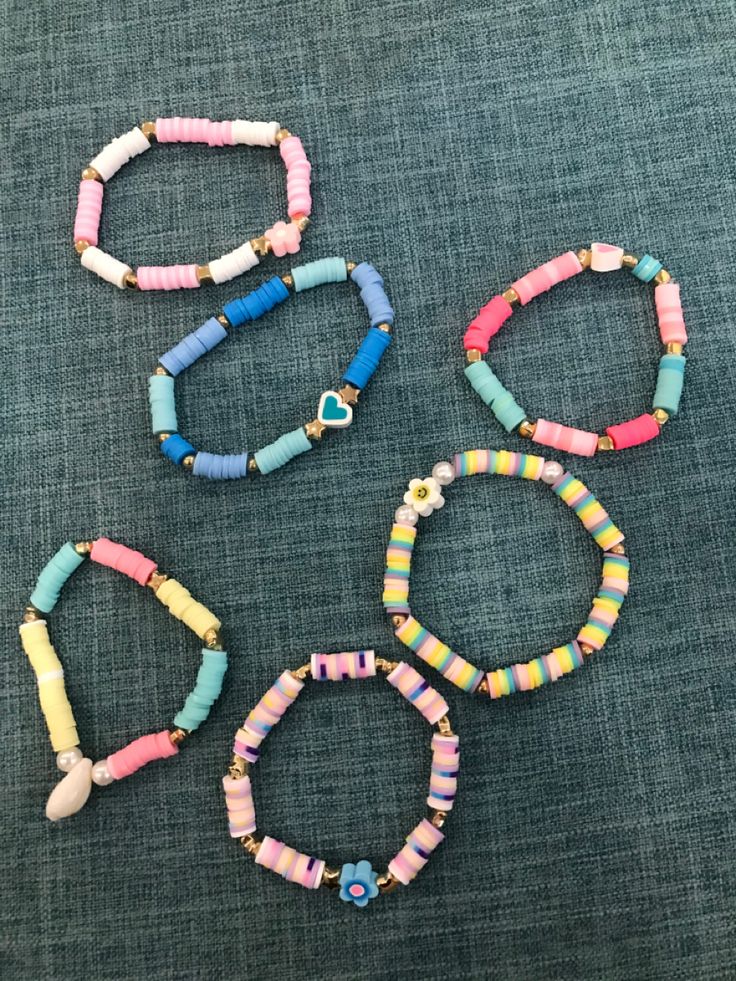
(289, 863)
(419, 692)
(241, 813)
(592, 514)
(415, 854)
(616, 569)
(646, 268)
(398, 566)
(526, 465)
(546, 276)
(206, 691)
(445, 766)
(341, 667)
(54, 574)
(265, 715)
(533, 674)
(438, 655)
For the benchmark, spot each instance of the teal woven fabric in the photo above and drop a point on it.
(455, 146)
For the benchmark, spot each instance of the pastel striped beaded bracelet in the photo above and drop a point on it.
(281, 238)
(600, 258)
(335, 409)
(357, 882)
(71, 794)
(425, 496)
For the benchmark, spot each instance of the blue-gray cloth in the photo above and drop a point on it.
(455, 146)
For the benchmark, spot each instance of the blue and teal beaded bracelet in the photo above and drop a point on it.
(335, 409)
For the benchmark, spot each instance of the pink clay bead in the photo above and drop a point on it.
(565, 438)
(167, 277)
(633, 432)
(89, 209)
(488, 322)
(182, 129)
(123, 559)
(298, 176)
(544, 277)
(156, 746)
(669, 313)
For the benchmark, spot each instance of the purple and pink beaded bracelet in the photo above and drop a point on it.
(282, 238)
(358, 882)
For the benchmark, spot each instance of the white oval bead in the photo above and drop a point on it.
(101, 774)
(406, 515)
(71, 793)
(551, 471)
(67, 759)
(443, 473)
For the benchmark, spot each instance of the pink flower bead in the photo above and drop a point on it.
(284, 238)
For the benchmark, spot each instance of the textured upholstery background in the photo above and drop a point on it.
(456, 146)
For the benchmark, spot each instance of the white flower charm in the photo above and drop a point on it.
(424, 496)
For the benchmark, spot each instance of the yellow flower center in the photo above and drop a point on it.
(421, 492)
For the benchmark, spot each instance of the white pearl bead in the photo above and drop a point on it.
(67, 759)
(406, 515)
(101, 775)
(551, 471)
(443, 473)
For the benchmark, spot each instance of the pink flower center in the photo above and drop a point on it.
(356, 890)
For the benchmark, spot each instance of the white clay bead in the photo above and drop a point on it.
(406, 515)
(443, 473)
(106, 266)
(101, 774)
(234, 263)
(67, 759)
(605, 258)
(254, 133)
(109, 160)
(70, 794)
(551, 471)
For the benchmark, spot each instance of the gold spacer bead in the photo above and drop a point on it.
(314, 429)
(162, 437)
(204, 275)
(30, 613)
(188, 462)
(386, 882)
(156, 580)
(586, 649)
(386, 328)
(349, 394)
(605, 443)
(222, 319)
(584, 258)
(149, 130)
(252, 465)
(444, 726)
(212, 639)
(629, 261)
(472, 355)
(281, 135)
(660, 416)
(178, 736)
(260, 245)
(674, 347)
(131, 281)
(511, 296)
(90, 174)
(351, 266)
(250, 844)
(302, 222)
(662, 277)
(303, 672)
(160, 370)
(386, 666)
(331, 877)
(398, 619)
(83, 548)
(238, 767)
(483, 686)
(439, 818)
(526, 429)
(618, 549)
(80, 245)
(288, 281)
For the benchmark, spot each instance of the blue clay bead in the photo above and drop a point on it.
(193, 346)
(372, 294)
(330, 270)
(670, 379)
(53, 576)
(163, 404)
(218, 466)
(206, 690)
(367, 358)
(646, 268)
(285, 448)
(175, 448)
(256, 303)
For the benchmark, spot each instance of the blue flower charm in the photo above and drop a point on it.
(358, 883)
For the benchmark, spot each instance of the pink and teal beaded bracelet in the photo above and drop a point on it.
(71, 793)
(357, 882)
(425, 496)
(335, 408)
(281, 238)
(600, 258)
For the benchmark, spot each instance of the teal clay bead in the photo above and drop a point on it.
(329, 270)
(670, 380)
(53, 576)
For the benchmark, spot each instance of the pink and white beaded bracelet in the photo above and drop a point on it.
(425, 496)
(357, 882)
(71, 793)
(602, 258)
(281, 238)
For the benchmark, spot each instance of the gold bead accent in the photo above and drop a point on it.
(386, 882)
(629, 261)
(162, 437)
(204, 275)
(238, 767)
(331, 877)
(444, 726)
(662, 277)
(80, 245)
(90, 174)
(288, 281)
(303, 672)
(83, 548)
(386, 666)
(674, 347)
(483, 686)
(156, 580)
(160, 370)
(149, 130)
(526, 429)
(586, 649)
(439, 818)
(261, 245)
(472, 355)
(660, 416)
(398, 619)
(222, 319)
(212, 639)
(314, 429)
(386, 328)
(618, 549)
(30, 613)
(131, 281)
(351, 266)
(188, 462)
(605, 443)
(281, 135)
(178, 736)
(511, 296)
(349, 394)
(302, 222)
(584, 258)
(252, 465)
(250, 844)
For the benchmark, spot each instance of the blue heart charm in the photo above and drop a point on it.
(333, 411)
